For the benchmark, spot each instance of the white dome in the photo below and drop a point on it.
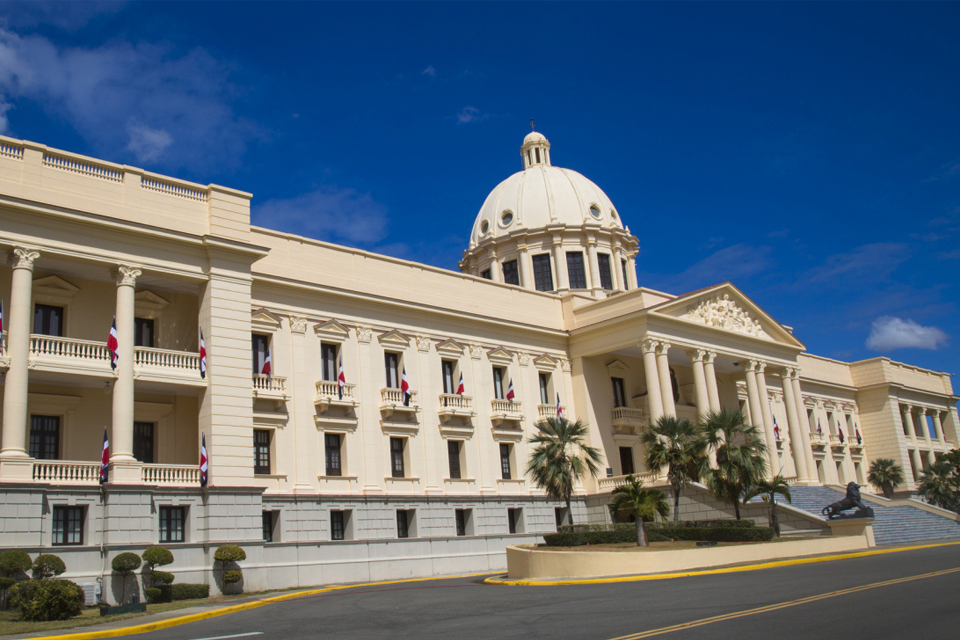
(539, 196)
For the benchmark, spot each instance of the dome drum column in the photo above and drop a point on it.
(563, 283)
(595, 285)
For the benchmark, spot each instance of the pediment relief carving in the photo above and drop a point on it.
(722, 312)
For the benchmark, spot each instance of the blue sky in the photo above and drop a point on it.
(809, 153)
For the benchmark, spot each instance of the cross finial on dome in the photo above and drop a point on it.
(533, 127)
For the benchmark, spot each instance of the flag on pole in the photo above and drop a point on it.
(113, 345)
(460, 386)
(203, 459)
(203, 357)
(559, 409)
(510, 394)
(819, 428)
(405, 388)
(265, 370)
(857, 431)
(776, 429)
(840, 430)
(104, 457)
(341, 379)
(1, 316)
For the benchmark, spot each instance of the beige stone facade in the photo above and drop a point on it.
(319, 487)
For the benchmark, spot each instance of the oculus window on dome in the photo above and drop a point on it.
(506, 218)
(484, 227)
(595, 211)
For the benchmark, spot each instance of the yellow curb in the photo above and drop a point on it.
(196, 617)
(706, 572)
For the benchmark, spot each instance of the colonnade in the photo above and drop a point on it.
(914, 420)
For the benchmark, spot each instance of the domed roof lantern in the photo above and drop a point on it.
(535, 150)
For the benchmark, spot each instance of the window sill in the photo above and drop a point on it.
(454, 480)
(405, 479)
(511, 480)
(337, 478)
(275, 476)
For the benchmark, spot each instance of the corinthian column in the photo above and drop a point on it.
(767, 420)
(713, 392)
(795, 427)
(18, 349)
(699, 381)
(666, 387)
(121, 440)
(804, 424)
(753, 399)
(655, 402)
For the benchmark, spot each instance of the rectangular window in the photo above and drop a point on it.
(486, 274)
(560, 515)
(172, 521)
(453, 454)
(403, 524)
(449, 384)
(45, 437)
(606, 277)
(462, 516)
(261, 451)
(498, 390)
(626, 460)
(626, 280)
(143, 442)
(268, 521)
(619, 394)
(391, 363)
(575, 271)
(396, 457)
(331, 446)
(542, 274)
(328, 362)
(48, 320)
(260, 347)
(142, 332)
(544, 388)
(67, 525)
(505, 461)
(510, 273)
(515, 520)
(337, 529)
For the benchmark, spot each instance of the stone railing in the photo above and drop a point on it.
(390, 396)
(456, 402)
(835, 441)
(506, 407)
(171, 474)
(9, 151)
(547, 410)
(90, 350)
(83, 167)
(609, 484)
(173, 189)
(178, 360)
(269, 386)
(66, 471)
(330, 389)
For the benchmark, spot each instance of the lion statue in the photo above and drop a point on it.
(849, 502)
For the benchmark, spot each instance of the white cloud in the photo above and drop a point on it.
(888, 333)
(328, 213)
(470, 114)
(147, 143)
(68, 15)
(429, 71)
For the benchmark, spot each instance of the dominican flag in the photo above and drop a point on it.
(405, 388)
(559, 409)
(104, 457)
(840, 429)
(113, 344)
(341, 379)
(1, 316)
(510, 394)
(265, 370)
(460, 386)
(203, 357)
(776, 429)
(857, 431)
(819, 428)
(203, 459)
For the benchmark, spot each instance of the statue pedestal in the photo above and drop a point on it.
(853, 527)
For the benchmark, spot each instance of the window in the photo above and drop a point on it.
(391, 363)
(449, 384)
(606, 277)
(261, 347)
(626, 280)
(453, 454)
(544, 388)
(67, 525)
(560, 515)
(328, 362)
(595, 211)
(143, 442)
(505, 461)
(337, 528)
(142, 332)
(396, 457)
(172, 524)
(619, 395)
(269, 522)
(537, 153)
(626, 460)
(403, 524)
(48, 320)
(45, 437)
(510, 273)
(486, 274)
(463, 520)
(515, 520)
(578, 277)
(498, 391)
(331, 446)
(506, 218)
(542, 275)
(261, 451)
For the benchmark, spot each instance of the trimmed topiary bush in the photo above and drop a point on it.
(153, 595)
(154, 557)
(41, 600)
(227, 556)
(232, 577)
(47, 565)
(125, 564)
(13, 562)
(186, 591)
(162, 577)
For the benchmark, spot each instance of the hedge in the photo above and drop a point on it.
(724, 524)
(718, 534)
(47, 599)
(187, 591)
(715, 530)
(583, 534)
(153, 594)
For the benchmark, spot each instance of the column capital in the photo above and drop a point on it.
(790, 373)
(696, 355)
(663, 348)
(126, 274)
(648, 345)
(761, 365)
(753, 365)
(23, 257)
(709, 357)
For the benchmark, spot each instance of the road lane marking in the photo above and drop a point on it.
(780, 605)
(236, 635)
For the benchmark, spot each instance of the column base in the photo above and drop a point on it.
(16, 469)
(125, 472)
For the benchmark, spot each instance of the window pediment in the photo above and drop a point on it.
(545, 363)
(450, 348)
(617, 368)
(263, 320)
(53, 290)
(149, 305)
(332, 331)
(500, 356)
(394, 339)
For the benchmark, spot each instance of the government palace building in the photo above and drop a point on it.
(235, 336)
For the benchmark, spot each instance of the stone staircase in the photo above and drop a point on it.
(892, 524)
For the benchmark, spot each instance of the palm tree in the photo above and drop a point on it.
(631, 500)
(768, 489)
(741, 455)
(886, 474)
(674, 444)
(561, 458)
(937, 485)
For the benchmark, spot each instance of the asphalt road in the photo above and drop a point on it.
(897, 595)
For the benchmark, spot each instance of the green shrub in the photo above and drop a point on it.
(166, 593)
(710, 524)
(583, 534)
(6, 583)
(153, 595)
(162, 577)
(14, 562)
(47, 565)
(718, 534)
(126, 562)
(186, 591)
(232, 577)
(41, 600)
(229, 553)
(157, 556)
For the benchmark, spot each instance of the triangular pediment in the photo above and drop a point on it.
(450, 348)
(332, 331)
(500, 356)
(53, 289)
(149, 305)
(723, 307)
(394, 339)
(545, 363)
(617, 368)
(263, 320)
